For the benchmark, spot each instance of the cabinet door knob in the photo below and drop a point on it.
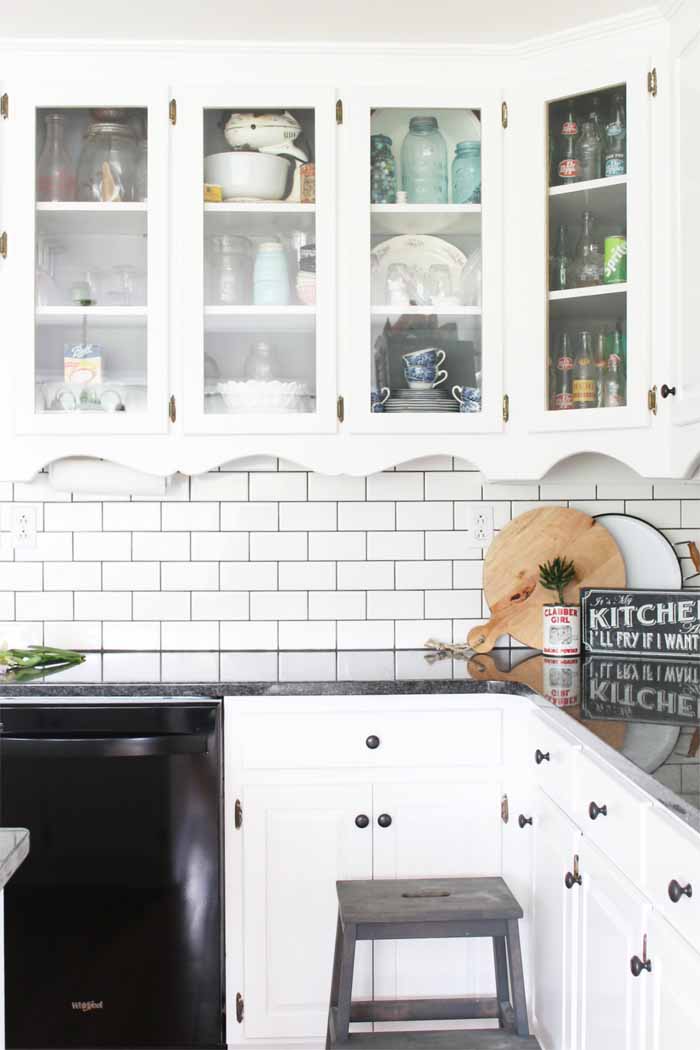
(571, 880)
(636, 965)
(676, 891)
(362, 820)
(666, 390)
(541, 756)
(372, 742)
(523, 820)
(384, 820)
(595, 811)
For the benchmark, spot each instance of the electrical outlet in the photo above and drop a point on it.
(480, 525)
(22, 527)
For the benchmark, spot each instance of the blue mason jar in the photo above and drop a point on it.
(466, 173)
(424, 162)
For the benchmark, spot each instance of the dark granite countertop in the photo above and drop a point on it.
(14, 849)
(647, 710)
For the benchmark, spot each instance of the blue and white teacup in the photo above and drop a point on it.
(422, 368)
(378, 397)
(469, 398)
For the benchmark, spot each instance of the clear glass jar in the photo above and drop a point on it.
(424, 162)
(141, 177)
(55, 174)
(107, 165)
(231, 269)
(261, 363)
(466, 173)
(383, 180)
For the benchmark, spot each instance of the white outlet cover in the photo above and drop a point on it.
(22, 527)
(480, 524)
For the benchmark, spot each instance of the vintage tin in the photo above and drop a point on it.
(561, 630)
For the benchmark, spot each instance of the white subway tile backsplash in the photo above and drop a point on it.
(574, 490)
(297, 516)
(250, 517)
(218, 605)
(452, 485)
(249, 634)
(131, 576)
(298, 634)
(72, 517)
(337, 487)
(271, 486)
(248, 667)
(268, 605)
(337, 546)
(392, 605)
(67, 576)
(219, 546)
(248, 575)
(52, 605)
(337, 605)
(438, 515)
(365, 634)
(366, 516)
(385, 546)
(625, 490)
(188, 667)
(451, 545)
(190, 635)
(131, 635)
(424, 575)
(167, 605)
(7, 607)
(20, 635)
(131, 517)
(314, 575)
(365, 666)
(131, 667)
(189, 576)
(665, 513)
(395, 486)
(413, 634)
(452, 604)
(219, 487)
(74, 634)
(690, 514)
(166, 546)
(509, 491)
(102, 546)
(190, 517)
(50, 546)
(279, 546)
(467, 574)
(305, 667)
(25, 576)
(105, 605)
(365, 576)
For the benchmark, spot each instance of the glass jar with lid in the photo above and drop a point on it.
(383, 178)
(230, 271)
(107, 165)
(466, 173)
(424, 162)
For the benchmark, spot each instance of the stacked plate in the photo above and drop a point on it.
(421, 401)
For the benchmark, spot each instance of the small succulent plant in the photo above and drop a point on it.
(556, 574)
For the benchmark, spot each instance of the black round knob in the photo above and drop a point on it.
(636, 965)
(384, 820)
(595, 811)
(666, 390)
(372, 742)
(571, 880)
(541, 756)
(523, 820)
(676, 891)
(362, 820)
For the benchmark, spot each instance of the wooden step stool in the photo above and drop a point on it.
(405, 909)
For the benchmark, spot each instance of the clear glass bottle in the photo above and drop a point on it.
(107, 165)
(55, 174)
(424, 162)
(616, 137)
(561, 263)
(261, 363)
(589, 152)
(383, 171)
(588, 262)
(466, 173)
(231, 271)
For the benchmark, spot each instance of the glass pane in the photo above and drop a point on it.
(425, 258)
(588, 251)
(91, 260)
(259, 261)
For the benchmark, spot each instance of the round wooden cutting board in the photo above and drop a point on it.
(511, 571)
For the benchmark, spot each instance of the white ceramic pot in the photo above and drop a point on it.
(561, 630)
(262, 176)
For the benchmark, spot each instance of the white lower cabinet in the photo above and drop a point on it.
(673, 986)
(298, 839)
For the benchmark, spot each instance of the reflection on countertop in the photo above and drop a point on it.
(14, 849)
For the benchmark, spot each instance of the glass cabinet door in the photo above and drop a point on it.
(87, 253)
(424, 350)
(256, 205)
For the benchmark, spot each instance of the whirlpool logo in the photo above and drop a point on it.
(87, 1005)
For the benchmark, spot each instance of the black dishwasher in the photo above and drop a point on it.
(113, 926)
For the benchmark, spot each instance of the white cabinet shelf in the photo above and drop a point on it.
(589, 186)
(443, 309)
(83, 217)
(444, 219)
(605, 302)
(259, 318)
(102, 316)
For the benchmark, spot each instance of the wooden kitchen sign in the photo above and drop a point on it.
(648, 623)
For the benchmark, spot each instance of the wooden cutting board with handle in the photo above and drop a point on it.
(511, 571)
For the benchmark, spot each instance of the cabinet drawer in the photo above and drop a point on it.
(610, 813)
(415, 738)
(673, 855)
(552, 760)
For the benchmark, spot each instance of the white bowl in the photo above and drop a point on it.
(262, 176)
(269, 396)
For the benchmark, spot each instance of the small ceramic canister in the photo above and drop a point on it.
(561, 630)
(378, 397)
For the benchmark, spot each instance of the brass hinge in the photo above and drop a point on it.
(504, 809)
(172, 409)
(504, 114)
(651, 400)
(339, 111)
(172, 111)
(240, 1007)
(3, 245)
(652, 82)
(238, 814)
(340, 408)
(5, 106)
(506, 408)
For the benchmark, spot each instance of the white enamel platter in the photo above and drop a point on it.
(418, 252)
(650, 563)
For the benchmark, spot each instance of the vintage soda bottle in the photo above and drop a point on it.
(616, 137)
(615, 394)
(561, 261)
(589, 152)
(601, 365)
(569, 167)
(564, 397)
(584, 376)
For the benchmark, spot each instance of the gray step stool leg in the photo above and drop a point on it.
(347, 965)
(517, 979)
(500, 963)
(335, 980)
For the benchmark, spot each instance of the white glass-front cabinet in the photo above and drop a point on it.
(254, 269)
(420, 338)
(87, 228)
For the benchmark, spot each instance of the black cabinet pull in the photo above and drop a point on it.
(595, 811)
(362, 820)
(523, 820)
(637, 965)
(666, 390)
(372, 742)
(541, 756)
(571, 880)
(384, 820)
(676, 891)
